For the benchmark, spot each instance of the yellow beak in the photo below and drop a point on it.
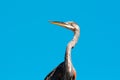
(63, 24)
(59, 23)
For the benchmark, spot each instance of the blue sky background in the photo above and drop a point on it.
(30, 47)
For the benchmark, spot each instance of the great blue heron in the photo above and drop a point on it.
(65, 70)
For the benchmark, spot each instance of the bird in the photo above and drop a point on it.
(66, 70)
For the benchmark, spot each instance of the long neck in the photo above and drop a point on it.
(70, 45)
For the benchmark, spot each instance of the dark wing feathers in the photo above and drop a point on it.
(57, 73)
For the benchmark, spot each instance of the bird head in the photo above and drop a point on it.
(69, 25)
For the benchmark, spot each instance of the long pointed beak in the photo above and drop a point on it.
(59, 23)
(63, 24)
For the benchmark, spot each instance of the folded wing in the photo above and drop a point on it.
(57, 73)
